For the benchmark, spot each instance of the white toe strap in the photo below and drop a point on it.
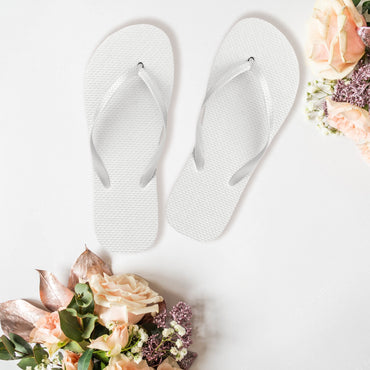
(247, 66)
(138, 71)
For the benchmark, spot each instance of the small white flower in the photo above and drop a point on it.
(173, 323)
(138, 358)
(143, 335)
(181, 354)
(179, 343)
(129, 355)
(135, 349)
(174, 351)
(167, 332)
(180, 330)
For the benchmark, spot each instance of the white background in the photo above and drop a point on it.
(288, 285)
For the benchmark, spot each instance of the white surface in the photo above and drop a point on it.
(237, 126)
(286, 288)
(127, 133)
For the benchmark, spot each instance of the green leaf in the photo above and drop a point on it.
(356, 2)
(102, 356)
(366, 7)
(70, 325)
(83, 300)
(20, 344)
(40, 354)
(84, 361)
(4, 354)
(73, 347)
(27, 362)
(8, 346)
(77, 326)
(89, 321)
(99, 331)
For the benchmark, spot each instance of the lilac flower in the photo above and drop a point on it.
(181, 313)
(356, 88)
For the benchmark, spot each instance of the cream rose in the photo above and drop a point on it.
(121, 362)
(47, 331)
(123, 298)
(334, 46)
(352, 121)
(114, 342)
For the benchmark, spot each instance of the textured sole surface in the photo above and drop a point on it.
(127, 135)
(202, 202)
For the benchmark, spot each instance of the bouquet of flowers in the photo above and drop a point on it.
(337, 50)
(100, 321)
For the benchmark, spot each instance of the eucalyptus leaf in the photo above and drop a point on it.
(40, 354)
(84, 361)
(366, 7)
(70, 324)
(20, 344)
(89, 321)
(27, 362)
(4, 354)
(83, 300)
(73, 347)
(9, 346)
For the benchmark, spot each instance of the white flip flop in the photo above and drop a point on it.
(251, 89)
(128, 88)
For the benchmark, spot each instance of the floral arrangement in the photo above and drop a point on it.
(99, 321)
(337, 50)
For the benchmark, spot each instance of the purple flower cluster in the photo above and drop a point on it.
(158, 347)
(356, 88)
(181, 313)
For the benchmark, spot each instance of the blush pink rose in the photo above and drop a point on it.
(70, 361)
(47, 331)
(121, 362)
(169, 364)
(123, 298)
(114, 342)
(334, 46)
(352, 121)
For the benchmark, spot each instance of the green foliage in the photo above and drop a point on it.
(356, 2)
(15, 347)
(40, 354)
(366, 7)
(27, 362)
(20, 345)
(78, 320)
(76, 326)
(83, 300)
(84, 361)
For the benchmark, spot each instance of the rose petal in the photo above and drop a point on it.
(19, 317)
(86, 265)
(54, 295)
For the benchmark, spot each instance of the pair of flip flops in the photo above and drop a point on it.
(128, 88)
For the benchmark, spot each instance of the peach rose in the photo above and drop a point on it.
(121, 362)
(351, 120)
(123, 298)
(169, 364)
(334, 46)
(114, 342)
(365, 151)
(47, 331)
(70, 361)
